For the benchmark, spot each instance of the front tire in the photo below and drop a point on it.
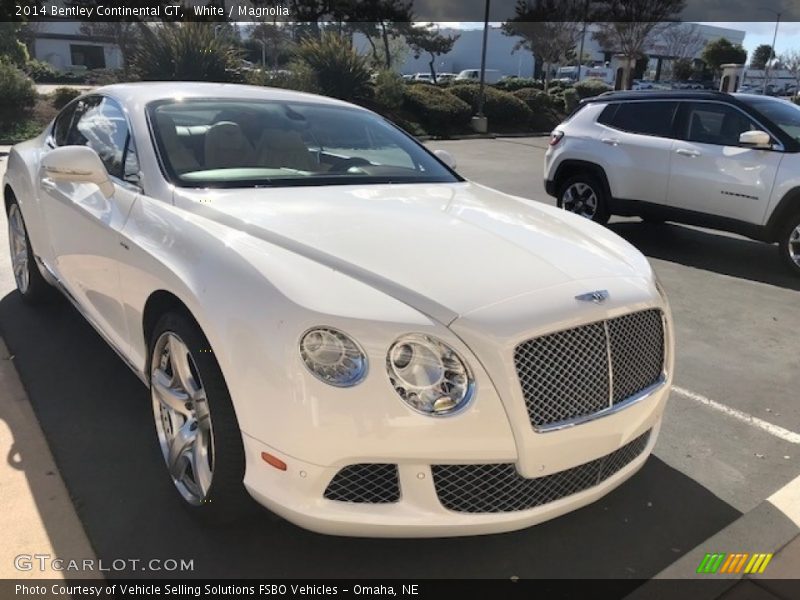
(789, 244)
(584, 195)
(195, 421)
(30, 283)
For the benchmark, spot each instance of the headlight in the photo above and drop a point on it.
(333, 356)
(429, 375)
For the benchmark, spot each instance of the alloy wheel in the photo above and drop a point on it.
(18, 243)
(580, 199)
(182, 417)
(794, 245)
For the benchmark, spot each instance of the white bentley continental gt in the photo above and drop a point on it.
(332, 321)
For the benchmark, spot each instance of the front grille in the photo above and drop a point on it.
(497, 488)
(365, 483)
(581, 371)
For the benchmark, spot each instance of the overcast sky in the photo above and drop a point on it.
(756, 33)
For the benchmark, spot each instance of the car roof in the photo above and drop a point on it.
(144, 92)
(660, 95)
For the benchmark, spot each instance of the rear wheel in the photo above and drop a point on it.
(584, 195)
(30, 283)
(195, 421)
(789, 243)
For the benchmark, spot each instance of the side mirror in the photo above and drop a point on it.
(446, 158)
(78, 164)
(756, 139)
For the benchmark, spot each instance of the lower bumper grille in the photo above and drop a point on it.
(365, 483)
(496, 488)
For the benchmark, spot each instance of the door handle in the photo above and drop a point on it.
(687, 152)
(48, 183)
(610, 141)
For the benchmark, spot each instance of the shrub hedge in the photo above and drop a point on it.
(437, 110)
(17, 95)
(512, 85)
(502, 108)
(62, 96)
(591, 87)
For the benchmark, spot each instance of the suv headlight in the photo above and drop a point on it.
(429, 375)
(333, 356)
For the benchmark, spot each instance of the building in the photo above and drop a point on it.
(67, 48)
(500, 53)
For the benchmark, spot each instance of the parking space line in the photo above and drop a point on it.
(779, 432)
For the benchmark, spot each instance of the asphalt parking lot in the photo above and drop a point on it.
(727, 442)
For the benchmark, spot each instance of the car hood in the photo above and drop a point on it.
(446, 249)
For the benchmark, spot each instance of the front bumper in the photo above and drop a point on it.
(297, 494)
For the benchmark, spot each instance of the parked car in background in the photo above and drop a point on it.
(729, 162)
(330, 319)
(423, 77)
(445, 77)
(491, 76)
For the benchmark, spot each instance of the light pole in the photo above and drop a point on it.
(263, 45)
(772, 48)
(481, 98)
(583, 38)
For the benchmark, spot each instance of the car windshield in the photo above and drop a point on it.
(247, 143)
(783, 113)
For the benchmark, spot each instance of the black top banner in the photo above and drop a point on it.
(402, 10)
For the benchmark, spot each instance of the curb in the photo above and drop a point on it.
(767, 528)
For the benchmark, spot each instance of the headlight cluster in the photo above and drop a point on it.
(429, 375)
(425, 372)
(333, 356)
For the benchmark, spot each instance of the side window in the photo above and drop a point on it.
(63, 123)
(647, 118)
(720, 124)
(607, 116)
(103, 127)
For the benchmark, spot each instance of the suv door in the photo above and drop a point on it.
(637, 140)
(711, 172)
(83, 224)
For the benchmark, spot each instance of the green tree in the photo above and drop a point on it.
(382, 19)
(761, 55)
(721, 52)
(429, 40)
(189, 51)
(549, 29)
(12, 49)
(336, 68)
(625, 26)
(682, 69)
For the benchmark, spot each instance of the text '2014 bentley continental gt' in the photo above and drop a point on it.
(332, 321)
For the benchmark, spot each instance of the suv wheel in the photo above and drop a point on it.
(584, 195)
(790, 244)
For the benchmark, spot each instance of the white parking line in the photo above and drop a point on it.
(779, 432)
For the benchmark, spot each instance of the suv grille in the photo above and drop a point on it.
(365, 483)
(578, 372)
(499, 488)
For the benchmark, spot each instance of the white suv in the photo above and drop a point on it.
(726, 161)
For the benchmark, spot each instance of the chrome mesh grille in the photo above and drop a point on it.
(496, 488)
(637, 351)
(365, 483)
(566, 375)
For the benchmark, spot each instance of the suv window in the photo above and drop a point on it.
(647, 117)
(711, 123)
(102, 126)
